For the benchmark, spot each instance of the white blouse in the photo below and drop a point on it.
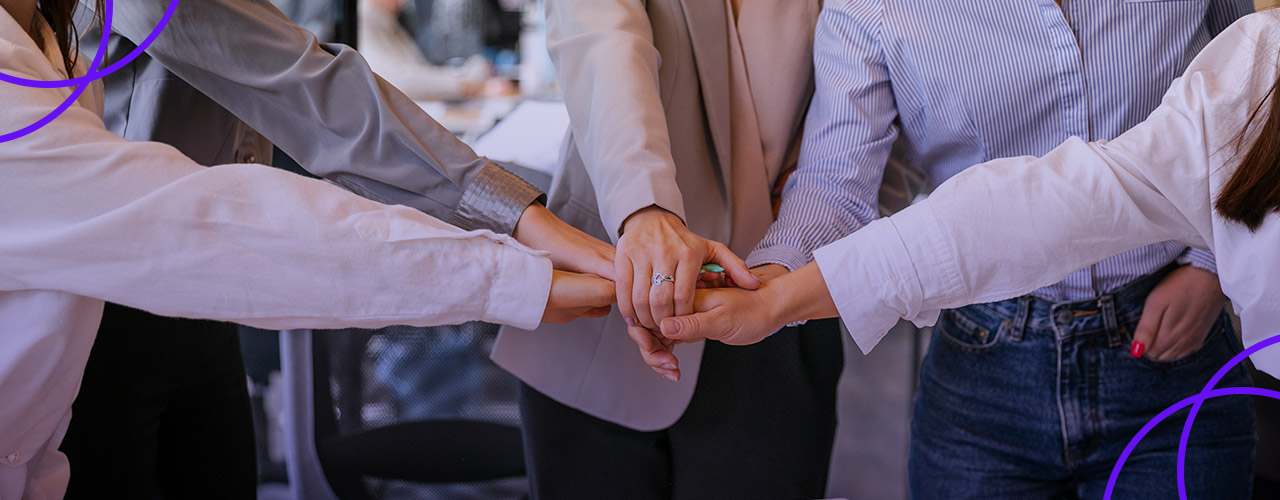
(86, 216)
(1010, 226)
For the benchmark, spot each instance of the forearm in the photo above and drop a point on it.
(848, 135)
(996, 231)
(141, 225)
(323, 106)
(818, 207)
(606, 60)
(798, 296)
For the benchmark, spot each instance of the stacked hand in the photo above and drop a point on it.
(657, 271)
(738, 317)
(571, 249)
(575, 295)
(655, 275)
(581, 286)
(664, 291)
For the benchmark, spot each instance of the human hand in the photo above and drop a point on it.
(1178, 314)
(656, 241)
(576, 295)
(656, 351)
(767, 272)
(730, 315)
(738, 317)
(571, 249)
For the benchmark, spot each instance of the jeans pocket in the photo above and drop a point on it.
(1214, 341)
(965, 333)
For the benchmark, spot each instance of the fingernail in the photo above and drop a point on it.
(757, 278)
(670, 377)
(1137, 349)
(630, 322)
(668, 366)
(714, 268)
(674, 329)
(729, 281)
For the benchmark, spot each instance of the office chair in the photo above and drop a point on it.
(351, 415)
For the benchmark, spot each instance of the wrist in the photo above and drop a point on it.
(776, 304)
(532, 215)
(800, 295)
(651, 214)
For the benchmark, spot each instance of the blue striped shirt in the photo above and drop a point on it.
(970, 81)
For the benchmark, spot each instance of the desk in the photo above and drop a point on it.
(525, 132)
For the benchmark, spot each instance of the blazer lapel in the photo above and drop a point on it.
(708, 32)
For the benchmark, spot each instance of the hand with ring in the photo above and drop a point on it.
(656, 270)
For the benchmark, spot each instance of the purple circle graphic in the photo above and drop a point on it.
(1195, 402)
(93, 73)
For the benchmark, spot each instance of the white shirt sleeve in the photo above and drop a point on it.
(1010, 226)
(85, 212)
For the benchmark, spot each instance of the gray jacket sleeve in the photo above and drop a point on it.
(321, 104)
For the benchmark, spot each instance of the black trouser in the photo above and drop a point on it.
(163, 412)
(761, 425)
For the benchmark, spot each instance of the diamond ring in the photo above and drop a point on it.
(659, 278)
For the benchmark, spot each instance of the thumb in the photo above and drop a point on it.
(692, 328)
(733, 266)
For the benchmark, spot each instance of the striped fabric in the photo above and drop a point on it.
(968, 81)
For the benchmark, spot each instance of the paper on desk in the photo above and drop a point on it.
(529, 136)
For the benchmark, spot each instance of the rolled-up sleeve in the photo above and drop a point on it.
(1199, 259)
(848, 136)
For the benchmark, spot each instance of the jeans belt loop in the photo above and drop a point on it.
(1107, 304)
(1020, 318)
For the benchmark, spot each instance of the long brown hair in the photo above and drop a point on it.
(1254, 189)
(60, 14)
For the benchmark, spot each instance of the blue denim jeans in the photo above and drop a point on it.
(1030, 399)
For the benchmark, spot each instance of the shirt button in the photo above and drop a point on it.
(14, 457)
(1064, 316)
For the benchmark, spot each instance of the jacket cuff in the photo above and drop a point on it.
(1199, 259)
(655, 191)
(494, 200)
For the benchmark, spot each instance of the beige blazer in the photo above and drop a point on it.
(647, 88)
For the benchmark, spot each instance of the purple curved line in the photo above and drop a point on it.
(94, 73)
(1191, 417)
(75, 93)
(1190, 400)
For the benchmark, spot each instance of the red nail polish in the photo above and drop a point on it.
(729, 281)
(1137, 349)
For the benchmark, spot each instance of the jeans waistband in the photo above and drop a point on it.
(1106, 312)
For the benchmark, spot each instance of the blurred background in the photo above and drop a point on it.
(410, 413)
